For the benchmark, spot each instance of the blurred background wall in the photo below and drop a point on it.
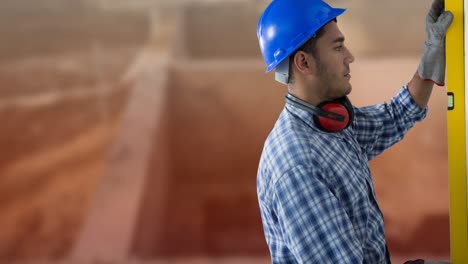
(132, 130)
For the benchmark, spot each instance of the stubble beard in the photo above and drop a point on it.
(327, 81)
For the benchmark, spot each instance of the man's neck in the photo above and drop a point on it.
(304, 94)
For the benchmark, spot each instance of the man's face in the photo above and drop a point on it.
(332, 61)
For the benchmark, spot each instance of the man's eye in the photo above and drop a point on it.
(339, 48)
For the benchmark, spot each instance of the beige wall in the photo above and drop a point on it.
(102, 154)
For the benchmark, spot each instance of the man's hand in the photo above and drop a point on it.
(432, 66)
(421, 261)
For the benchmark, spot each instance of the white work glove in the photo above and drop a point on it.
(432, 65)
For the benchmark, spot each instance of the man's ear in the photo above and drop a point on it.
(303, 62)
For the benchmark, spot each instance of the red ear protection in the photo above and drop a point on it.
(340, 107)
(332, 116)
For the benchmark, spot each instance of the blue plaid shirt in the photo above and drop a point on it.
(315, 189)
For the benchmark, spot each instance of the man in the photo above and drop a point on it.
(314, 185)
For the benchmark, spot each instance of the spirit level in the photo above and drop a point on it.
(457, 124)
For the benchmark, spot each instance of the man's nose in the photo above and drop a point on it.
(349, 58)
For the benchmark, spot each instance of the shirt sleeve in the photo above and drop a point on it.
(380, 126)
(313, 223)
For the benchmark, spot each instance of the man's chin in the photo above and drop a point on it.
(343, 91)
(348, 90)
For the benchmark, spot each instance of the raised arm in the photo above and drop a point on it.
(432, 66)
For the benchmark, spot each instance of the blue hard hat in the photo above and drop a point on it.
(287, 24)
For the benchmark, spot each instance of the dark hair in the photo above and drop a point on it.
(308, 47)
